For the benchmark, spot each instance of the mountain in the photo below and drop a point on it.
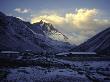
(100, 43)
(18, 35)
(49, 30)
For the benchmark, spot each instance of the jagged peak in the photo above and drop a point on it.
(41, 21)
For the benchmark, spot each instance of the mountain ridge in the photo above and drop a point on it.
(98, 43)
(18, 35)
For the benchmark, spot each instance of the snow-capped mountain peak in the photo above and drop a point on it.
(50, 31)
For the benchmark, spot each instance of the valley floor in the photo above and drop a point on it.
(69, 71)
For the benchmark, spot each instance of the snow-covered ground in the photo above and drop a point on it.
(80, 71)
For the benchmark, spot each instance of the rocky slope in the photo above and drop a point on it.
(100, 43)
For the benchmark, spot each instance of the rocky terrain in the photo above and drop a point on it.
(58, 70)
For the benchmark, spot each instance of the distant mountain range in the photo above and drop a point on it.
(100, 43)
(18, 35)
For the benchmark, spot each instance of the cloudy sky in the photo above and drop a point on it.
(77, 19)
